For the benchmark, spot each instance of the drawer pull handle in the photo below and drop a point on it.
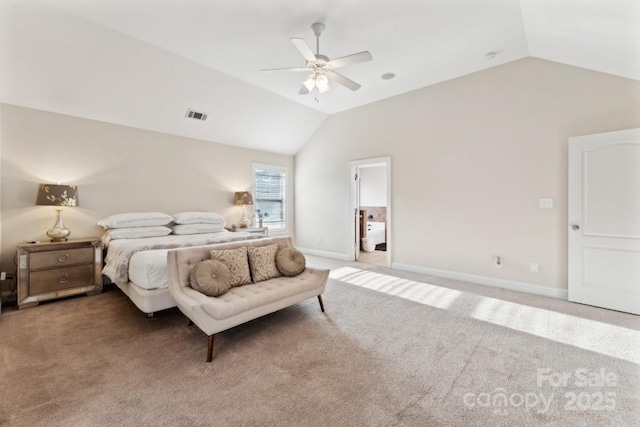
(63, 257)
(63, 278)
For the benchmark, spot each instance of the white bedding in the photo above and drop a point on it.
(120, 252)
(139, 266)
(148, 269)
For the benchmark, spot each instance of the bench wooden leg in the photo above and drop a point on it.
(210, 348)
(321, 304)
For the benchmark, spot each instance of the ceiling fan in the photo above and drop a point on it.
(321, 67)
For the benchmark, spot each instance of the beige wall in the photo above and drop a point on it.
(469, 159)
(117, 168)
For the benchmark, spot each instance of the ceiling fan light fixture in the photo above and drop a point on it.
(322, 81)
(310, 83)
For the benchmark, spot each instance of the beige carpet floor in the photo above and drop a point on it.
(392, 349)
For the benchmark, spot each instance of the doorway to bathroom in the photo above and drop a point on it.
(370, 217)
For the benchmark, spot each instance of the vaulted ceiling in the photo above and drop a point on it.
(143, 63)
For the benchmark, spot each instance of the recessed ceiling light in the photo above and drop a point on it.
(387, 76)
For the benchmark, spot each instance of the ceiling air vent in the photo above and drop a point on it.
(192, 114)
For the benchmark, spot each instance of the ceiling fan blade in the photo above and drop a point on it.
(350, 59)
(350, 84)
(286, 69)
(303, 90)
(304, 49)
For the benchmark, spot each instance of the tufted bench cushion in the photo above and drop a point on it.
(244, 298)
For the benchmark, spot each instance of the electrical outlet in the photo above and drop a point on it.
(319, 240)
(546, 203)
(533, 267)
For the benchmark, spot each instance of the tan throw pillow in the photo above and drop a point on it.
(263, 262)
(236, 261)
(290, 261)
(211, 278)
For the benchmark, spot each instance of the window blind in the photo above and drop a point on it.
(269, 197)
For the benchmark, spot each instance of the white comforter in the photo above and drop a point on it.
(148, 269)
(119, 252)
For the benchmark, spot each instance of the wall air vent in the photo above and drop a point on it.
(192, 114)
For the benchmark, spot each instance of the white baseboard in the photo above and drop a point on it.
(332, 255)
(488, 281)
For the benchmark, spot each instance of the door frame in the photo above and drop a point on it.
(354, 208)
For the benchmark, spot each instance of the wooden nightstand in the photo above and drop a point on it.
(50, 270)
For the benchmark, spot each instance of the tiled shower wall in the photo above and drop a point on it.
(379, 213)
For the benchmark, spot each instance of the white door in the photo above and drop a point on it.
(604, 220)
(356, 212)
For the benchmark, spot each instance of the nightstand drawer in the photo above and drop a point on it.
(49, 259)
(41, 282)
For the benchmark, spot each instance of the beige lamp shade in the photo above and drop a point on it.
(57, 195)
(243, 198)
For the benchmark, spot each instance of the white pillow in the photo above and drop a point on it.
(134, 233)
(198, 218)
(138, 219)
(196, 228)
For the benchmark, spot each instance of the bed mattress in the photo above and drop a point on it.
(148, 269)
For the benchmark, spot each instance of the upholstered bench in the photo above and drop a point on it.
(242, 303)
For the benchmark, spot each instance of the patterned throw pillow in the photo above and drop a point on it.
(236, 261)
(263, 262)
(290, 261)
(211, 278)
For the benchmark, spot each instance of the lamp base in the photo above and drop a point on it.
(244, 222)
(59, 233)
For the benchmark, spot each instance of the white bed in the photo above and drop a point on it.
(148, 269)
(139, 266)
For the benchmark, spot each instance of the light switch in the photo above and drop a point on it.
(546, 203)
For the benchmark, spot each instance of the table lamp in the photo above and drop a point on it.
(243, 198)
(57, 195)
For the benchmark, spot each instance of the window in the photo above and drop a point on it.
(270, 188)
